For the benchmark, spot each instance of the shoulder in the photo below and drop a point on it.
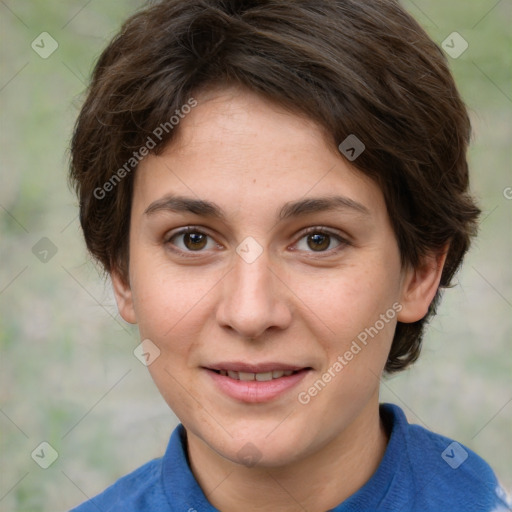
(139, 490)
(161, 485)
(445, 474)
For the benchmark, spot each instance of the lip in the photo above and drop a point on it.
(256, 391)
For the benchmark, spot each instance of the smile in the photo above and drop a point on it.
(260, 377)
(255, 383)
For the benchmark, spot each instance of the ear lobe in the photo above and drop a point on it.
(124, 298)
(420, 285)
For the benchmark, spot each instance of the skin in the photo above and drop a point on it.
(294, 303)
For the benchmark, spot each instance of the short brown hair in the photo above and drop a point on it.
(363, 68)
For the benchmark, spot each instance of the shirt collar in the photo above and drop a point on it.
(183, 492)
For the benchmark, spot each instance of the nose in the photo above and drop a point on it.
(254, 299)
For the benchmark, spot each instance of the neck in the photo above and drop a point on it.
(317, 482)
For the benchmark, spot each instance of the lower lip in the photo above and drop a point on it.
(255, 391)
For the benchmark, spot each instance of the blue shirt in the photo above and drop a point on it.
(420, 472)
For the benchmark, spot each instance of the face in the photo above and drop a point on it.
(259, 258)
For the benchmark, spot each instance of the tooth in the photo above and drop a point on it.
(246, 376)
(287, 373)
(223, 373)
(262, 377)
(276, 374)
(233, 375)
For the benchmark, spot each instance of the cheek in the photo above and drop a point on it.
(163, 299)
(350, 300)
(173, 383)
(172, 310)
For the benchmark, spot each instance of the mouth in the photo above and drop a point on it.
(256, 383)
(260, 376)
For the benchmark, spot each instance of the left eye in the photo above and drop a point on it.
(192, 240)
(319, 241)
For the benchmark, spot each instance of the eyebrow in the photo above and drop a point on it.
(209, 209)
(321, 204)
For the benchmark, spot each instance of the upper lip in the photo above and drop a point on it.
(235, 366)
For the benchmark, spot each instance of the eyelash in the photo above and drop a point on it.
(343, 242)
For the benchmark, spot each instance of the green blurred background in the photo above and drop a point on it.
(68, 375)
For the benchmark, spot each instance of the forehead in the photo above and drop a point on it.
(238, 148)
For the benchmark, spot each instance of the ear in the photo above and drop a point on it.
(419, 286)
(124, 298)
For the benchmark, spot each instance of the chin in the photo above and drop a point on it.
(263, 446)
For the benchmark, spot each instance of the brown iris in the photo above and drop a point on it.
(318, 242)
(194, 241)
